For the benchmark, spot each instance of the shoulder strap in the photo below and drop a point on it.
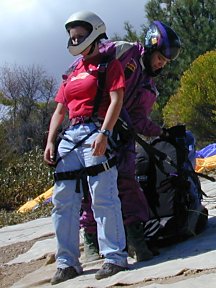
(122, 47)
(102, 68)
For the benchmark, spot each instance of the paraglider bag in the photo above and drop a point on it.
(174, 193)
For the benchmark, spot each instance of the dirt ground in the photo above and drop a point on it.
(10, 274)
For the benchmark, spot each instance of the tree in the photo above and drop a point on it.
(29, 92)
(195, 23)
(194, 103)
(130, 36)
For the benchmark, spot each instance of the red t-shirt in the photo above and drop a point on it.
(79, 90)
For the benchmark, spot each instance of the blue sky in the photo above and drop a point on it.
(32, 31)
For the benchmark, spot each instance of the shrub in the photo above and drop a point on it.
(195, 103)
(13, 217)
(24, 179)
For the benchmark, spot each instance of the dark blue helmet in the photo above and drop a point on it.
(162, 38)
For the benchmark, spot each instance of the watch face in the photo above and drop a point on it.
(106, 132)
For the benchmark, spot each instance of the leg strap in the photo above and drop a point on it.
(81, 175)
(90, 171)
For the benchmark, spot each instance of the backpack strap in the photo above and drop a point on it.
(157, 156)
(210, 178)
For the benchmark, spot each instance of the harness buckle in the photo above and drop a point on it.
(106, 165)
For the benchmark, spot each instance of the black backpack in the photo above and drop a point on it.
(172, 188)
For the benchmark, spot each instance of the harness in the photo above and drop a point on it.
(81, 174)
(91, 170)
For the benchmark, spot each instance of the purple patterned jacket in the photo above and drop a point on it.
(140, 91)
(140, 95)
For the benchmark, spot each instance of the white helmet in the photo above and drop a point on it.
(97, 28)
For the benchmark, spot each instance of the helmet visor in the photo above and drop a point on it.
(170, 53)
(77, 41)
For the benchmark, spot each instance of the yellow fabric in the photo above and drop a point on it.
(208, 163)
(32, 203)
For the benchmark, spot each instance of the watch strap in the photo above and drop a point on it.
(105, 132)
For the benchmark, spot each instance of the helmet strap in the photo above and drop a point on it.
(92, 48)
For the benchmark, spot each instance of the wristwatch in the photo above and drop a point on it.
(105, 132)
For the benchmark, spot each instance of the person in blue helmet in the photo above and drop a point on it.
(141, 65)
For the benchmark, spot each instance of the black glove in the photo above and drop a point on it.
(165, 133)
(177, 131)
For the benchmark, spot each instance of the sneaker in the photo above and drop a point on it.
(108, 270)
(62, 275)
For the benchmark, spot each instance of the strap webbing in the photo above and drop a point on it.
(75, 146)
(102, 68)
(90, 171)
(153, 152)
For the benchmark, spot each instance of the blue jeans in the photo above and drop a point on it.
(105, 203)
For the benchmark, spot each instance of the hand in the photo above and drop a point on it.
(164, 133)
(99, 145)
(49, 154)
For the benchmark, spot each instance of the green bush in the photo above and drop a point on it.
(195, 103)
(23, 179)
(13, 217)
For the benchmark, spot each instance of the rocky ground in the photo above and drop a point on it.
(10, 274)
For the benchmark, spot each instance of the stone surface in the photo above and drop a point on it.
(188, 264)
